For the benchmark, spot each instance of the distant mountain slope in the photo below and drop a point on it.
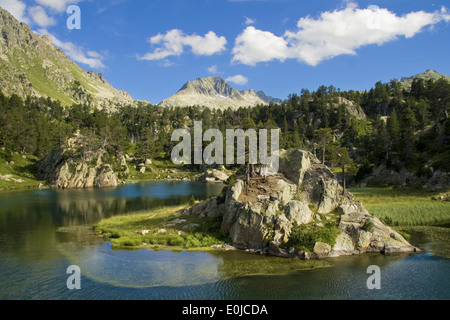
(31, 65)
(430, 74)
(215, 93)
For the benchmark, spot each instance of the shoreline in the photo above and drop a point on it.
(377, 198)
(48, 187)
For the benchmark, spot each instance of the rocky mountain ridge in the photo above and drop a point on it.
(30, 64)
(215, 93)
(430, 74)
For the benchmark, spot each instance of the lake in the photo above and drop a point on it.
(43, 232)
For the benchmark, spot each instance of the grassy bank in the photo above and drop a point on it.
(17, 172)
(404, 206)
(164, 228)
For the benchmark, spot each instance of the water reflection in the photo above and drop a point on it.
(31, 222)
(145, 268)
(43, 232)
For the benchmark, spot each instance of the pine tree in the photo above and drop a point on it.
(342, 159)
(323, 137)
(394, 131)
(409, 125)
(440, 98)
(146, 145)
(381, 140)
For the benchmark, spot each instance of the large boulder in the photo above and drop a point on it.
(294, 164)
(214, 175)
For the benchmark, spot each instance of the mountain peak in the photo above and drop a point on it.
(430, 74)
(215, 93)
(208, 86)
(31, 65)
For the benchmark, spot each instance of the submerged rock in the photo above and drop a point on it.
(263, 214)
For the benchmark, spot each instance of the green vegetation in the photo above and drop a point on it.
(304, 237)
(405, 128)
(17, 171)
(153, 230)
(35, 72)
(436, 240)
(161, 169)
(192, 200)
(404, 207)
(368, 226)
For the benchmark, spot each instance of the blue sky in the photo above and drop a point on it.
(150, 48)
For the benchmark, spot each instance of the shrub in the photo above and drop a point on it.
(368, 226)
(160, 240)
(130, 243)
(192, 242)
(192, 200)
(231, 181)
(305, 236)
(110, 235)
(405, 235)
(176, 241)
(199, 240)
(223, 195)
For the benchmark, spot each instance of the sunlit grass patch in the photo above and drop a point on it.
(153, 230)
(17, 171)
(404, 207)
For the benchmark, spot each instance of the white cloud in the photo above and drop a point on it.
(237, 79)
(332, 34)
(213, 70)
(253, 46)
(57, 5)
(77, 53)
(249, 21)
(174, 41)
(16, 7)
(94, 54)
(41, 18)
(373, 7)
(166, 63)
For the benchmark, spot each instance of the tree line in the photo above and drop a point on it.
(406, 127)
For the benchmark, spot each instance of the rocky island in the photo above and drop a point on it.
(286, 213)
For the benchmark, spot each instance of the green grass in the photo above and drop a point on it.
(123, 230)
(404, 207)
(23, 168)
(41, 83)
(304, 237)
(160, 169)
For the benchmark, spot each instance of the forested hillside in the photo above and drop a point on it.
(405, 128)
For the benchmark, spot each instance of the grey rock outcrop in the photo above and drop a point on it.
(439, 181)
(262, 215)
(382, 175)
(64, 168)
(214, 175)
